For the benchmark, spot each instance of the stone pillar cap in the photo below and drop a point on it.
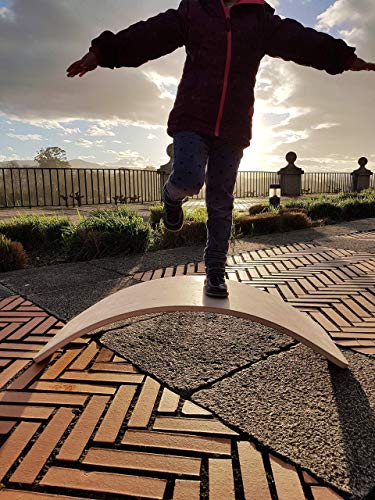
(168, 166)
(291, 168)
(362, 170)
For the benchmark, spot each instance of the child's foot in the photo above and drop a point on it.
(215, 286)
(173, 215)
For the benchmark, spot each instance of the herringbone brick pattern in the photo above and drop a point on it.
(335, 287)
(87, 424)
(361, 235)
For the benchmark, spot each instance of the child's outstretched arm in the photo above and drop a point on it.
(291, 41)
(137, 44)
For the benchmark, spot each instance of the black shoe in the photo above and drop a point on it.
(173, 215)
(215, 286)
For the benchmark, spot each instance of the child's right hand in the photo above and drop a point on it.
(89, 62)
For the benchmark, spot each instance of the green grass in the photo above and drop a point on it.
(340, 207)
(105, 233)
(36, 232)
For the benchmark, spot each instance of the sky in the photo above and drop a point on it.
(119, 117)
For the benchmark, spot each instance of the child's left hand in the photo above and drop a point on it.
(89, 62)
(361, 65)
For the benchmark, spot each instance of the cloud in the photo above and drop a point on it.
(85, 143)
(34, 85)
(128, 158)
(298, 108)
(331, 113)
(27, 137)
(100, 130)
(7, 15)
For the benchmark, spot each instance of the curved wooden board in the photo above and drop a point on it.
(186, 294)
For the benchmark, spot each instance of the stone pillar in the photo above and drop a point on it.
(361, 176)
(165, 170)
(291, 177)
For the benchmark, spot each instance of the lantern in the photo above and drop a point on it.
(275, 195)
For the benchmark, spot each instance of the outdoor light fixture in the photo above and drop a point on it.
(275, 195)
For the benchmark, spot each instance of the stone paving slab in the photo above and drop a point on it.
(188, 350)
(349, 242)
(4, 292)
(128, 265)
(68, 302)
(302, 407)
(66, 276)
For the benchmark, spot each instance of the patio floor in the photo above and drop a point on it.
(241, 204)
(88, 424)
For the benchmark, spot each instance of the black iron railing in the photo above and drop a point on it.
(49, 187)
(249, 184)
(326, 182)
(72, 187)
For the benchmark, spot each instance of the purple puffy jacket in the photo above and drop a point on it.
(224, 48)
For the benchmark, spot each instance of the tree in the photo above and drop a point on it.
(52, 158)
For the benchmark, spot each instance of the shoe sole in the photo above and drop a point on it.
(174, 229)
(216, 295)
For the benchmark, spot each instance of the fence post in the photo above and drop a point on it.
(361, 176)
(291, 177)
(165, 170)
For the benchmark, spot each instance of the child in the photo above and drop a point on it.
(211, 119)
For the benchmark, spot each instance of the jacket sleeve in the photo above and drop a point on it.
(144, 40)
(291, 41)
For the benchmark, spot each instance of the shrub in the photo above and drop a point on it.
(196, 215)
(258, 209)
(352, 209)
(156, 215)
(298, 210)
(290, 221)
(192, 233)
(325, 210)
(105, 233)
(271, 222)
(12, 255)
(259, 224)
(36, 232)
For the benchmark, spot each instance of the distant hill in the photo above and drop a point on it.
(76, 163)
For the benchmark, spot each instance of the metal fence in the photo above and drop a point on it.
(326, 182)
(49, 187)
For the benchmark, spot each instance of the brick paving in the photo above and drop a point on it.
(87, 424)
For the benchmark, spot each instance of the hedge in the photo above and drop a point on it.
(12, 255)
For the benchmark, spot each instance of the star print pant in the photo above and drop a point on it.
(200, 159)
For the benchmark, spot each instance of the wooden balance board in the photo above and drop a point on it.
(185, 294)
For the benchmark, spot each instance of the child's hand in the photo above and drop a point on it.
(361, 65)
(89, 62)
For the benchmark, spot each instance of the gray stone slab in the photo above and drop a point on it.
(65, 303)
(188, 350)
(5, 292)
(311, 235)
(353, 244)
(304, 408)
(132, 264)
(64, 276)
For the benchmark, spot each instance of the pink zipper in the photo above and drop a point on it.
(227, 68)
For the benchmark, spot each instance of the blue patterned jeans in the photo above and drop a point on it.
(200, 159)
